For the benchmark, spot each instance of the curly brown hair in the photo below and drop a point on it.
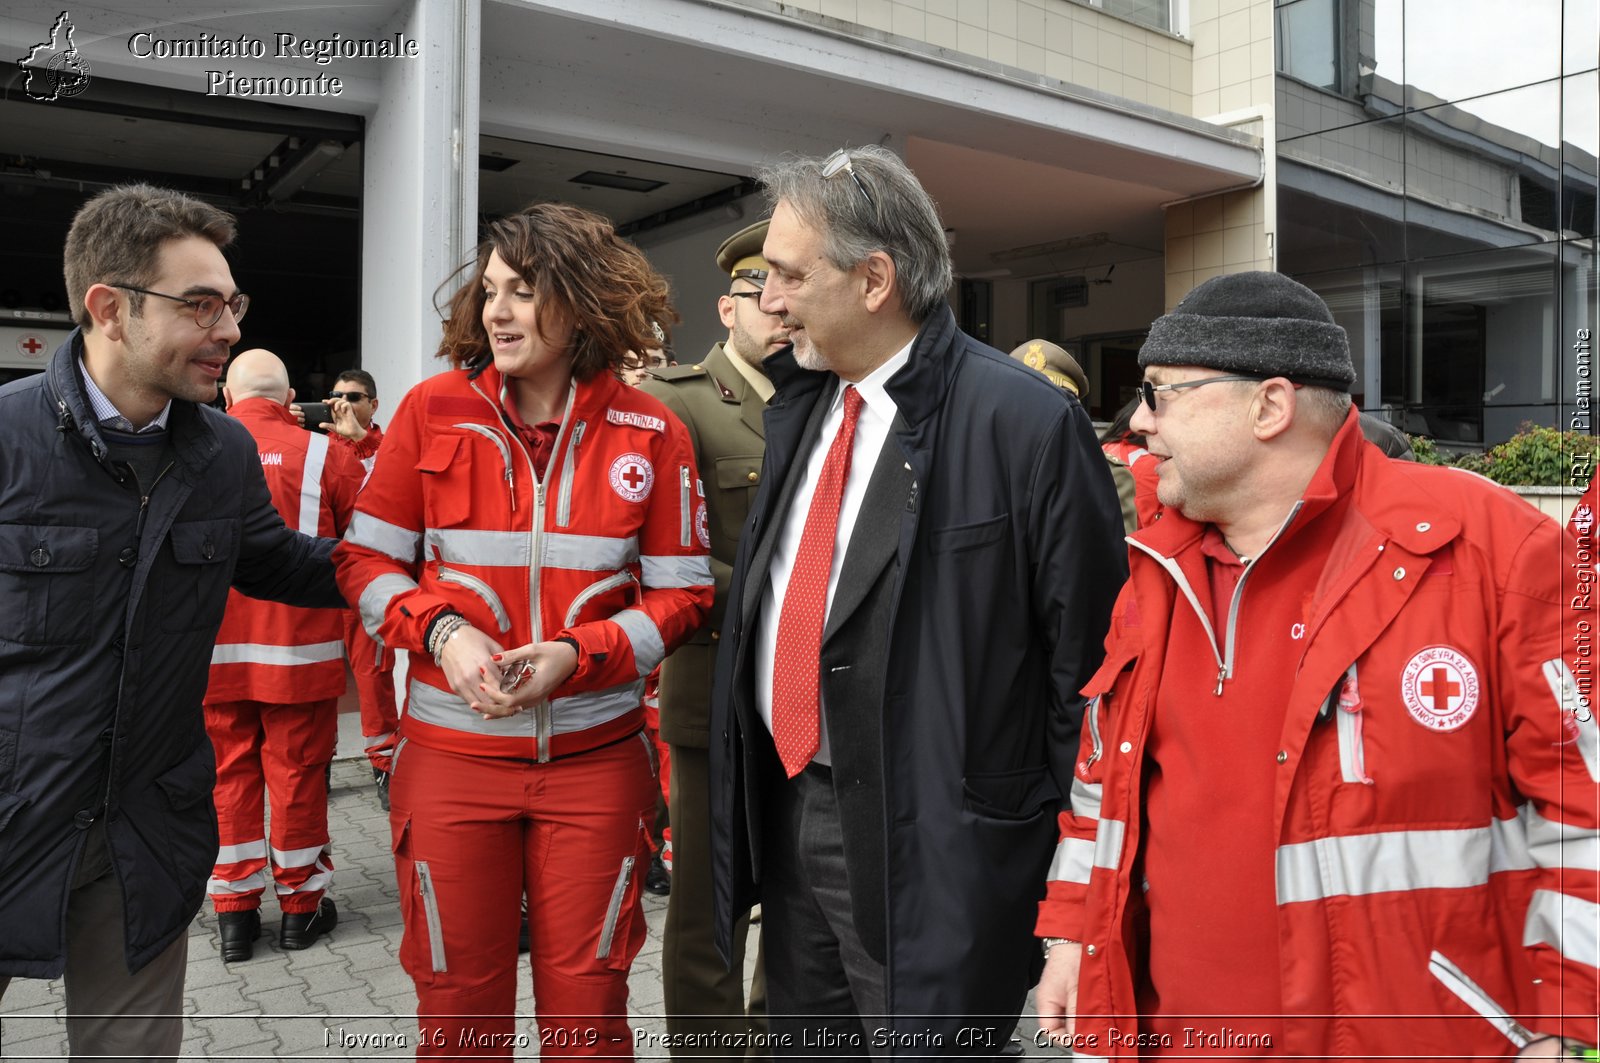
(581, 270)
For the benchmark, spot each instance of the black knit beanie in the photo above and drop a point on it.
(1257, 324)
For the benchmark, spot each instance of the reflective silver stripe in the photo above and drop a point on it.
(1568, 924)
(675, 571)
(402, 544)
(684, 505)
(1085, 799)
(378, 741)
(232, 854)
(257, 653)
(583, 711)
(482, 590)
(457, 546)
(429, 704)
(1470, 993)
(1076, 857)
(614, 908)
(256, 880)
(1091, 720)
(430, 908)
(316, 882)
(297, 857)
(1073, 861)
(374, 601)
(1570, 701)
(593, 591)
(649, 648)
(1555, 844)
(588, 553)
(311, 485)
(568, 470)
(492, 436)
(1389, 861)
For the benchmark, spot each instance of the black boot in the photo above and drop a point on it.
(658, 880)
(300, 929)
(239, 931)
(381, 777)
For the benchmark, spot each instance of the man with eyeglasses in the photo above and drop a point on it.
(1337, 790)
(128, 507)
(922, 587)
(721, 400)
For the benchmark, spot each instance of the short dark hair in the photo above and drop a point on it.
(117, 235)
(360, 376)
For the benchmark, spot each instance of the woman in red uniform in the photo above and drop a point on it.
(532, 534)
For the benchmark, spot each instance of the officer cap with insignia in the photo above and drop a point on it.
(1055, 363)
(740, 255)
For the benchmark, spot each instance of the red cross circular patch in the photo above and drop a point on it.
(702, 529)
(1440, 688)
(631, 477)
(32, 346)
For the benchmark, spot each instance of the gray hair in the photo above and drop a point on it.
(901, 221)
(1326, 407)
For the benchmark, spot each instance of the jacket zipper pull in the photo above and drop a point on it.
(1222, 673)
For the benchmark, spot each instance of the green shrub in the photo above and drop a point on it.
(1535, 457)
(1427, 452)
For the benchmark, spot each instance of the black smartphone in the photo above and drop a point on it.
(316, 413)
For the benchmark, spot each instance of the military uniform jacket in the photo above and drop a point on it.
(723, 414)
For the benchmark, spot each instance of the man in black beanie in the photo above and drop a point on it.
(1336, 793)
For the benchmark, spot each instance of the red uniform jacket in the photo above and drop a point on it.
(277, 653)
(1434, 819)
(604, 551)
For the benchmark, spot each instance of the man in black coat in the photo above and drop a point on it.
(127, 509)
(921, 589)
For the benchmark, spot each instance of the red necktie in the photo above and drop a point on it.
(795, 671)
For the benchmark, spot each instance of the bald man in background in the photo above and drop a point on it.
(276, 675)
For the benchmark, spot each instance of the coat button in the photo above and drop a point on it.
(207, 550)
(752, 476)
(118, 645)
(1090, 949)
(84, 819)
(129, 557)
(106, 736)
(1424, 526)
(716, 636)
(40, 556)
(1283, 756)
(1126, 747)
(1399, 573)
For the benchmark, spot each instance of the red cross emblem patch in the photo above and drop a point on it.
(631, 477)
(1440, 688)
(32, 347)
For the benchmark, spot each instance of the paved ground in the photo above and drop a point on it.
(338, 999)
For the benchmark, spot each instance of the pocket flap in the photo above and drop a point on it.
(970, 536)
(190, 780)
(1015, 794)
(202, 542)
(10, 805)
(440, 454)
(45, 549)
(739, 470)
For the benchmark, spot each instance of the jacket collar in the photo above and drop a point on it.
(263, 408)
(193, 440)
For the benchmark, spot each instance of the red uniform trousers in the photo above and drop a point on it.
(373, 668)
(661, 831)
(471, 835)
(284, 749)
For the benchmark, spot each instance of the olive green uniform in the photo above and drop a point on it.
(723, 414)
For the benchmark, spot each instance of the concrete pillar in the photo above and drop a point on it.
(420, 203)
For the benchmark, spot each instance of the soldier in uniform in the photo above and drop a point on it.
(721, 400)
(1059, 367)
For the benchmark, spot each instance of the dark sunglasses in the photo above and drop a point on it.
(1148, 391)
(348, 396)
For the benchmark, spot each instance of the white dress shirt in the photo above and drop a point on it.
(872, 431)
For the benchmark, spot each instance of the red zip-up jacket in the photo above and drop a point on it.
(267, 651)
(1437, 795)
(603, 551)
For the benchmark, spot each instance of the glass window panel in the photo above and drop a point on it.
(1483, 173)
(1456, 49)
(1341, 198)
(1580, 150)
(1580, 33)
(1308, 41)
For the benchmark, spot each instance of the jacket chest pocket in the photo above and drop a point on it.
(738, 477)
(192, 591)
(47, 594)
(445, 498)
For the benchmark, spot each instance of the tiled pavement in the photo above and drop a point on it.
(338, 999)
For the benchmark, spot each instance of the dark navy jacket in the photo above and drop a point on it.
(107, 619)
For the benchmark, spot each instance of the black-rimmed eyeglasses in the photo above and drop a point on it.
(839, 162)
(744, 295)
(1148, 391)
(207, 308)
